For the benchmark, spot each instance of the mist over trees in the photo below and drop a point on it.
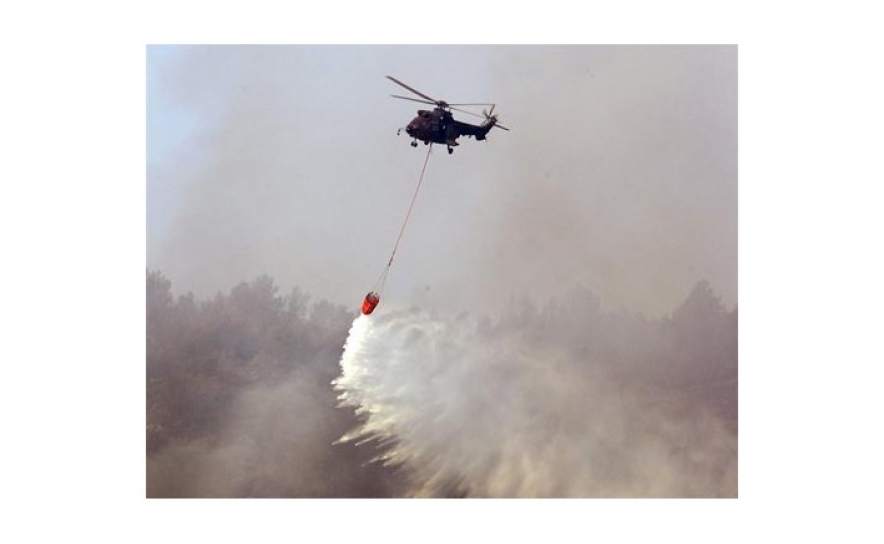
(688, 358)
(240, 401)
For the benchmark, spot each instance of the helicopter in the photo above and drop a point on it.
(439, 125)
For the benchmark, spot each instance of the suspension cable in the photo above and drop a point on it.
(382, 280)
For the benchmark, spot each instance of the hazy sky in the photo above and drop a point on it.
(619, 173)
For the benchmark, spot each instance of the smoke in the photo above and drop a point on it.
(620, 172)
(277, 444)
(468, 408)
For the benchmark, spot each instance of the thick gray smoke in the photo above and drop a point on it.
(502, 411)
(619, 174)
(274, 445)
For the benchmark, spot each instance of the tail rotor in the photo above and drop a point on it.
(491, 119)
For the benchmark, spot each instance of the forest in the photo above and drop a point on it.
(240, 401)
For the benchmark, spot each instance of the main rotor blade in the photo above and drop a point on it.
(477, 104)
(412, 99)
(415, 91)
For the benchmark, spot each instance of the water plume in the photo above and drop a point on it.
(467, 408)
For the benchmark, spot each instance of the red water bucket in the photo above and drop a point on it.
(370, 302)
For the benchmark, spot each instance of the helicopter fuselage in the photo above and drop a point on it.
(436, 126)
